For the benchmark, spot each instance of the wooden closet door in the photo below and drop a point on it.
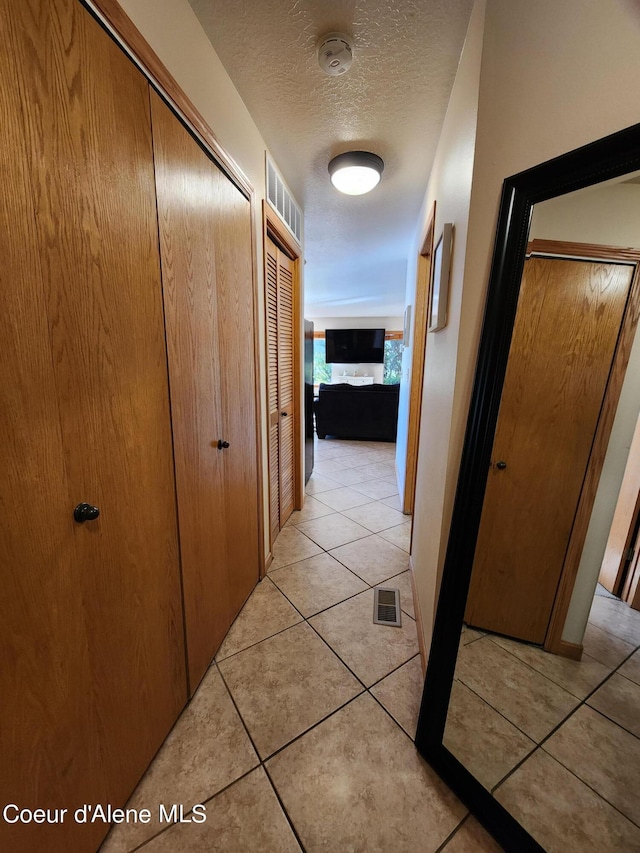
(91, 625)
(238, 389)
(280, 366)
(286, 386)
(566, 329)
(273, 407)
(205, 240)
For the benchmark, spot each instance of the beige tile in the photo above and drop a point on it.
(562, 813)
(317, 583)
(472, 838)
(376, 516)
(605, 647)
(328, 466)
(350, 476)
(631, 668)
(401, 694)
(325, 450)
(395, 502)
(247, 816)
(403, 583)
(482, 739)
(619, 699)
(371, 651)
(292, 545)
(266, 612)
(377, 489)
(317, 484)
(399, 536)
(344, 498)
(207, 749)
(356, 783)
(332, 531)
(469, 635)
(381, 469)
(525, 697)
(617, 618)
(286, 684)
(313, 508)
(577, 677)
(373, 559)
(603, 755)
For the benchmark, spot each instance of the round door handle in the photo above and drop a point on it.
(284, 414)
(85, 512)
(501, 465)
(222, 445)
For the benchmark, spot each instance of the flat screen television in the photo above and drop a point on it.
(354, 346)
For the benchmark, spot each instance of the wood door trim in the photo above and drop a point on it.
(421, 308)
(422, 646)
(272, 229)
(583, 250)
(120, 26)
(553, 640)
(262, 559)
(614, 567)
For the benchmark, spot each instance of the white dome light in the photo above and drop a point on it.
(356, 172)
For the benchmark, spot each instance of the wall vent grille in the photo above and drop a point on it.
(386, 606)
(282, 201)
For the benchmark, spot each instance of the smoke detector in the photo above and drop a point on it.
(335, 53)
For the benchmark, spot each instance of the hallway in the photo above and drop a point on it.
(299, 736)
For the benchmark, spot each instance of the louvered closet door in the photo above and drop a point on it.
(205, 241)
(272, 382)
(280, 340)
(91, 638)
(285, 385)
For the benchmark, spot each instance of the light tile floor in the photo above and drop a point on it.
(556, 740)
(300, 735)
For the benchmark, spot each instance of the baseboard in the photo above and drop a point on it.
(267, 562)
(416, 608)
(569, 650)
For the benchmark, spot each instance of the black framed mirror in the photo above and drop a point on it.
(606, 159)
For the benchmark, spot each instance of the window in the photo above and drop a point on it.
(321, 370)
(393, 349)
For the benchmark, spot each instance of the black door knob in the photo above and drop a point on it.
(222, 445)
(85, 512)
(501, 466)
(283, 414)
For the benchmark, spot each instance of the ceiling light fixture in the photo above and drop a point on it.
(356, 172)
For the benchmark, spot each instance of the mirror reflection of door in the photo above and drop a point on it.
(569, 317)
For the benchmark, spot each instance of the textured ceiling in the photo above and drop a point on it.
(392, 102)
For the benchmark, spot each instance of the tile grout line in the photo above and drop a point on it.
(361, 692)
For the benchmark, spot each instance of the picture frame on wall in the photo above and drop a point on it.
(407, 326)
(441, 268)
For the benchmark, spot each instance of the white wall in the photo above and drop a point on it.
(610, 216)
(554, 76)
(174, 33)
(450, 186)
(389, 324)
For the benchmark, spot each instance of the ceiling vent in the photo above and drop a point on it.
(335, 53)
(282, 201)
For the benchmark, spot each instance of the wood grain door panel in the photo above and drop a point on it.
(273, 408)
(236, 335)
(97, 675)
(187, 199)
(205, 228)
(566, 329)
(286, 450)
